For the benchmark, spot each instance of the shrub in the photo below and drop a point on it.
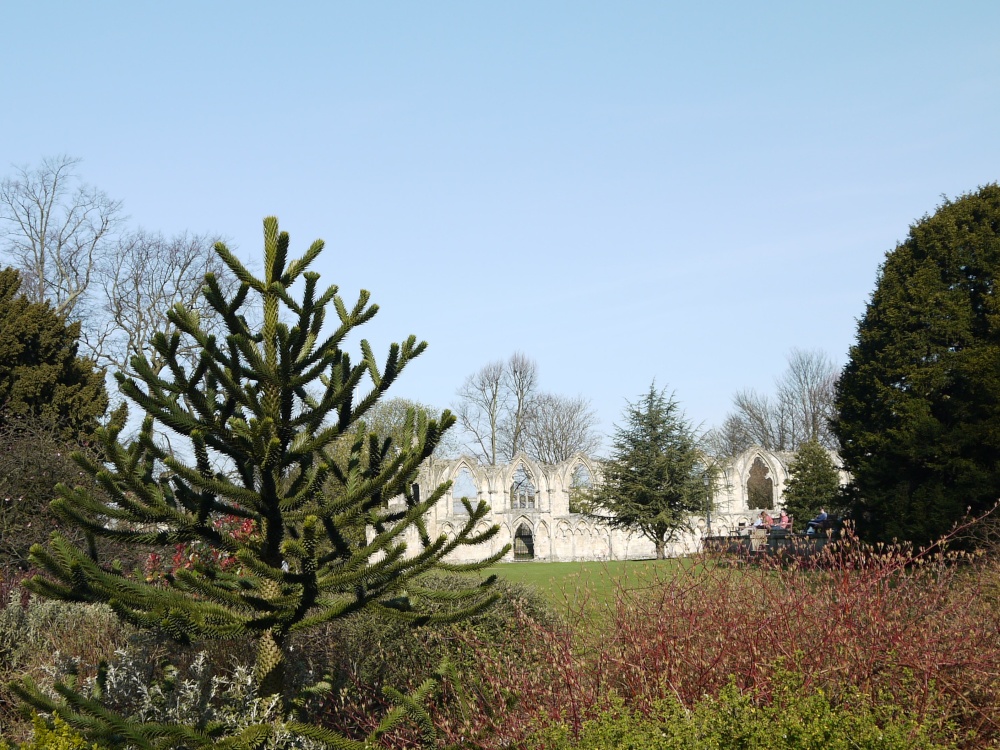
(914, 630)
(60, 736)
(793, 720)
(44, 639)
(369, 654)
(366, 657)
(201, 696)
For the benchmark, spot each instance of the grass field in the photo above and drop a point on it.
(571, 586)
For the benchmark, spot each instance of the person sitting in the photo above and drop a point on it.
(784, 521)
(764, 522)
(818, 521)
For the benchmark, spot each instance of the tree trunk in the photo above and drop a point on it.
(661, 550)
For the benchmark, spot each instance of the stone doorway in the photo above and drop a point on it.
(524, 543)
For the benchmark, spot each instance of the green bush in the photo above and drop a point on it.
(31, 634)
(793, 720)
(202, 696)
(60, 736)
(44, 640)
(211, 683)
(47, 640)
(371, 653)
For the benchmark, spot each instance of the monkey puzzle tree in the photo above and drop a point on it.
(267, 405)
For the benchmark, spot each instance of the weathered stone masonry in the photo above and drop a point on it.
(532, 505)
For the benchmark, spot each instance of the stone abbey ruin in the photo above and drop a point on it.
(535, 506)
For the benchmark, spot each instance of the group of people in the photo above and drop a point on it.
(767, 521)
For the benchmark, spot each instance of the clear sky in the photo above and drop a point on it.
(622, 190)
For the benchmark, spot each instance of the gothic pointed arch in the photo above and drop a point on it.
(524, 542)
(464, 484)
(760, 485)
(579, 486)
(522, 487)
(503, 537)
(543, 541)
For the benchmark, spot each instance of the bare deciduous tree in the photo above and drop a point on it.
(145, 276)
(799, 411)
(56, 230)
(808, 390)
(729, 439)
(561, 426)
(502, 413)
(764, 420)
(482, 401)
(63, 237)
(520, 386)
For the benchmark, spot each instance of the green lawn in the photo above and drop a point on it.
(573, 586)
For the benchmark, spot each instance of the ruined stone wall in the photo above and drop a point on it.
(532, 504)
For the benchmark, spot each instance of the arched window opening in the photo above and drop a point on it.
(760, 487)
(464, 486)
(579, 489)
(524, 543)
(522, 489)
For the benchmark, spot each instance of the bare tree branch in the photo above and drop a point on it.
(800, 410)
(502, 413)
(481, 402)
(808, 389)
(56, 231)
(520, 383)
(559, 427)
(141, 281)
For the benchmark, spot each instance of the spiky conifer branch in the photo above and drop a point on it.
(326, 543)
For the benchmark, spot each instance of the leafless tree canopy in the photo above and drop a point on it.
(521, 385)
(501, 412)
(140, 282)
(482, 401)
(561, 426)
(66, 240)
(808, 388)
(800, 409)
(56, 230)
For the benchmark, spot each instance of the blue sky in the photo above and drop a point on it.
(623, 191)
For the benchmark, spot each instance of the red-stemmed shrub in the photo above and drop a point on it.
(916, 628)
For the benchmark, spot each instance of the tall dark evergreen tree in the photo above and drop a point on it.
(919, 399)
(267, 405)
(51, 401)
(814, 483)
(42, 379)
(655, 478)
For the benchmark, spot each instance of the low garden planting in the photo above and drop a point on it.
(865, 647)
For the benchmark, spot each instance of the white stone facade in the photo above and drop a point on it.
(531, 504)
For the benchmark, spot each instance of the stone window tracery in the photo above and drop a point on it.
(522, 489)
(463, 486)
(579, 489)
